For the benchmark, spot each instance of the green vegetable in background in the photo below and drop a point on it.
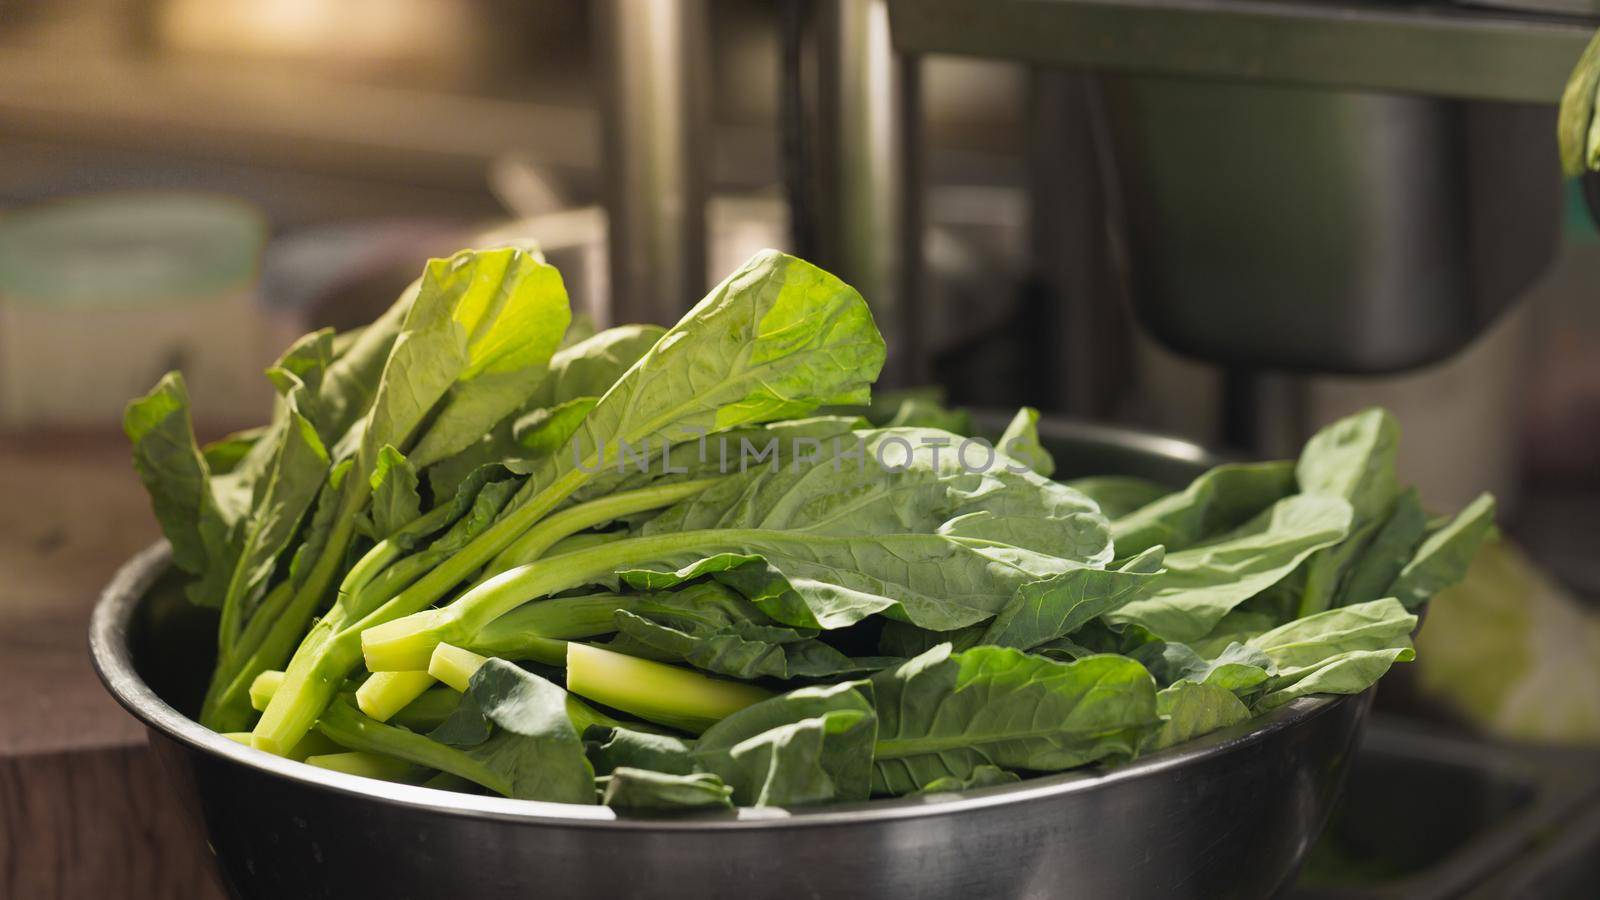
(1514, 652)
(1575, 124)
(650, 575)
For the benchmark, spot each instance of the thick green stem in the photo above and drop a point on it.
(313, 678)
(255, 631)
(223, 693)
(444, 781)
(229, 710)
(313, 744)
(656, 691)
(407, 643)
(368, 567)
(323, 660)
(235, 638)
(375, 578)
(583, 541)
(263, 687)
(455, 669)
(317, 669)
(428, 711)
(538, 539)
(386, 693)
(382, 589)
(369, 765)
(584, 716)
(539, 631)
(454, 666)
(332, 648)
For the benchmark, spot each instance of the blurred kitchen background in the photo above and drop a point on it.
(1225, 221)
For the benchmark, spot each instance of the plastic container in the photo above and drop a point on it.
(101, 295)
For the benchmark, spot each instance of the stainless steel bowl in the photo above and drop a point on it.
(1231, 814)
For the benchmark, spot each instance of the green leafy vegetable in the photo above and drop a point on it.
(1189, 709)
(1238, 669)
(1580, 151)
(1341, 651)
(1388, 552)
(945, 715)
(922, 538)
(644, 790)
(808, 746)
(777, 338)
(712, 627)
(172, 468)
(1221, 499)
(1444, 556)
(1202, 584)
(1346, 673)
(1020, 441)
(1118, 495)
(982, 777)
(395, 501)
(611, 748)
(658, 522)
(1353, 459)
(1057, 606)
(516, 725)
(476, 314)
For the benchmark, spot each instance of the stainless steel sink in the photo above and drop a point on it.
(1320, 230)
(1428, 814)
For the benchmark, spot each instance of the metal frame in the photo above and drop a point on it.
(1435, 48)
(869, 159)
(657, 123)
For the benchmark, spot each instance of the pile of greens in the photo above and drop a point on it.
(479, 547)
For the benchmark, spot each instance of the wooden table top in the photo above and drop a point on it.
(85, 810)
(74, 512)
